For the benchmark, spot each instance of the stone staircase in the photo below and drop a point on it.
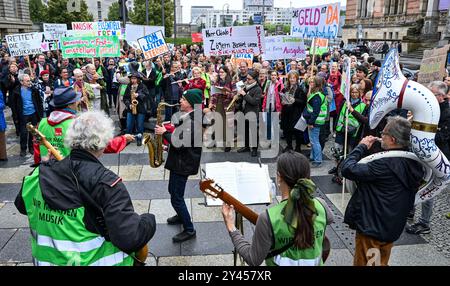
(418, 53)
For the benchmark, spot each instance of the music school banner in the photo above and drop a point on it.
(24, 44)
(284, 47)
(234, 40)
(316, 22)
(90, 47)
(153, 45)
(102, 28)
(433, 65)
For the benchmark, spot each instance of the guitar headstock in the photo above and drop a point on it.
(210, 188)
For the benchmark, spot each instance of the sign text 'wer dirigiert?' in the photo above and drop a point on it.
(153, 45)
(233, 40)
(90, 47)
(316, 22)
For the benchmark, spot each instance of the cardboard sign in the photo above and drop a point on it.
(321, 46)
(134, 32)
(197, 37)
(284, 47)
(234, 40)
(153, 45)
(24, 44)
(236, 59)
(433, 65)
(103, 28)
(53, 32)
(90, 47)
(316, 22)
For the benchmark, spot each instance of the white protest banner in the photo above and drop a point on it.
(284, 47)
(24, 44)
(134, 32)
(236, 59)
(53, 32)
(47, 46)
(102, 28)
(153, 45)
(233, 40)
(346, 77)
(316, 22)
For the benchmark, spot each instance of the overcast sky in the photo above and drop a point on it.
(238, 4)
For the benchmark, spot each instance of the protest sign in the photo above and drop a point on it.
(346, 79)
(284, 47)
(90, 47)
(433, 65)
(47, 46)
(24, 44)
(153, 45)
(102, 28)
(233, 40)
(197, 37)
(316, 22)
(236, 59)
(321, 46)
(53, 32)
(134, 32)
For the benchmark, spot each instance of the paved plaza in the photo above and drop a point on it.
(212, 246)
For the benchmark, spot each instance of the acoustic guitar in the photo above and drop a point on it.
(208, 187)
(140, 255)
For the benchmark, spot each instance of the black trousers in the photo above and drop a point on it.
(25, 137)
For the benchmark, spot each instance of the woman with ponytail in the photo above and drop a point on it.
(290, 233)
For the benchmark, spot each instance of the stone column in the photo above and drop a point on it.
(432, 18)
(446, 39)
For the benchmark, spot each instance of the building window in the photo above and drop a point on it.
(384, 36)
(99, 5)
(15, 9)
(396, 35)
(99, 15)
(390, 35)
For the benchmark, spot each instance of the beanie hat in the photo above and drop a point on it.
(44, 72)
(193, 96)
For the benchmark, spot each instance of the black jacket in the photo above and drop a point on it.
(142, 92)
(251, 102)
(384, 196)
(290, 114)
(185, 160)
(17, 103)
(124, 228)
(443, 135)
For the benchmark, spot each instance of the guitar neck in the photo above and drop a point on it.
(239, 207)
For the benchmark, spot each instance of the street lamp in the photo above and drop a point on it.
(223, 12)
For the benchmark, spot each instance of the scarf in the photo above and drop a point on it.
(250, 86)
(303, 191)
(89, 76)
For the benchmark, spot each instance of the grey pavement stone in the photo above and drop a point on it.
(325, 184)
(2, 205)
(417, 255)
(336, 200)
(5, 236)
(11, 218)
(8, 192)
(335, 240)
(149, 190)
(212, 238)
(162, 209)
(14, 175)
(161, 244)
(201, 260)
(202, 213)
(339, 257)
(18, 249)
(141, 206)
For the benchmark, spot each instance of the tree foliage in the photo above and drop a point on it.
(113, 12)
(137, 15)
(250, 21)
(57, 13)
(38, 11)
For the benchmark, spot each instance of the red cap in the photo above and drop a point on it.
(44, 72)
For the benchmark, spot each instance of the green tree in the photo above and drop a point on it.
(58, 13)
(137, 15)
(113, 12)
(236, 23)
(250, 21)
(38, 11)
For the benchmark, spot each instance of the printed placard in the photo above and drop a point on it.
(90, 47)
(234, 40)
(316, 22)
(153, 45)
(102, 28)
(53, 32)
(24, 44)
(284, 47)
(236, 59)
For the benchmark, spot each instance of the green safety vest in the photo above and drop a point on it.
(284, 234)
(122, 89)
(55, 135)
(206, 78)
(323, 108)
(61, 238)
(352, 121)
(99, 71)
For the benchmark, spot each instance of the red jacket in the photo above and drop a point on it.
(196, 83)
(278, 87)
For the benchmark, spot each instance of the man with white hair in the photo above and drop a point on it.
(85, 89)
(79, 212)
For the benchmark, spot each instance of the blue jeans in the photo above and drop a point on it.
(316, 149)
(177, 185)
(427, 212)
(137, 119)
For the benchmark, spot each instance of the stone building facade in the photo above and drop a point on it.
(379, 20)
(14, 17)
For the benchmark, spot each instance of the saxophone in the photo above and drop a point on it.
(155, 142)
(134, 101)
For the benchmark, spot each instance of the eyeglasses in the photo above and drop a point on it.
(385, 133)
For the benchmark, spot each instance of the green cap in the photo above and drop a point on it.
(193, 96)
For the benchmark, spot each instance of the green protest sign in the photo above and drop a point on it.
(90, 47)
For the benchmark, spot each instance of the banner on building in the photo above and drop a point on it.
(284, 47)
(102, 28)
(321, 46)
(53, 32)
(153, 45)
(24, 44)
(197, 37)
(236, 59)
(433, 66)
(90, 47)
(316, 22)
(233, 40)
(134, 32)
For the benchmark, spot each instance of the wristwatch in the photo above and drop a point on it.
(234, 229)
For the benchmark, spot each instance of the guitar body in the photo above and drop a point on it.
(141, 255)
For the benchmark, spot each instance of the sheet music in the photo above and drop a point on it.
(240, 85)
(301, 124)
(249, 183)
(217, 89)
